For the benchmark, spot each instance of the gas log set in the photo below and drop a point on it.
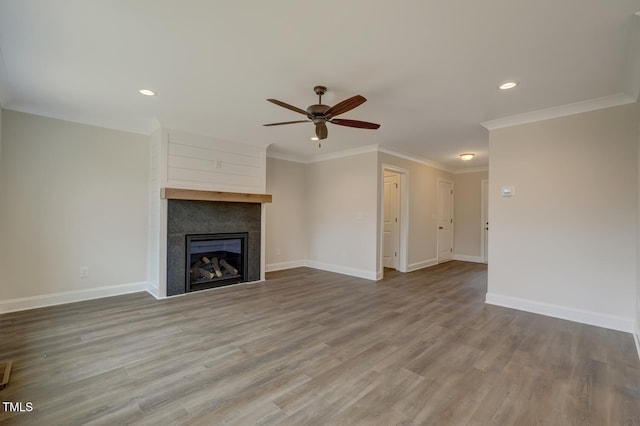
(206, 270)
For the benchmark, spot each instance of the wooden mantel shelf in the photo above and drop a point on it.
(195, 195)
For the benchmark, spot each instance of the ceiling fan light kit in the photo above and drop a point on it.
(508, 85)
(320, 114)
(467, 156)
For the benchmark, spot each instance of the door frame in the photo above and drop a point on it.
(403, 218)
(441, 179)
(395, 205)
(484, 218)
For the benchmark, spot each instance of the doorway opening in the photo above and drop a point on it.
(445, 220)
(394, 213)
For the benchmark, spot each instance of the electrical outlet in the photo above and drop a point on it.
(84, 271)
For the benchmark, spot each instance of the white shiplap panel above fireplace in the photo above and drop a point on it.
(200, 162)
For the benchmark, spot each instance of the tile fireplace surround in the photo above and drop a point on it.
(192, 212)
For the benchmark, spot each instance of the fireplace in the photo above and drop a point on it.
(215, 260)
(192, 223)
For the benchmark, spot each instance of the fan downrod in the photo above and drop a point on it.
(320, 90)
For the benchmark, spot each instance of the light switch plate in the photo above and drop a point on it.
(507, 191)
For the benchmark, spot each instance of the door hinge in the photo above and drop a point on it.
(396, 254)
(451, 220)
(396, 220)
(452, 192)
(396, 185)
(451, 250)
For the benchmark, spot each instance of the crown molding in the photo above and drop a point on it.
(324, 157)
(416, 159)
(560, 111)
(364, 150)
(344, 153)
(472, 170)
(285, 157)
(139, 127)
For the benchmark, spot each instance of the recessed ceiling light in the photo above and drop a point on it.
(508, 85)
(467, 156)
(147, 92)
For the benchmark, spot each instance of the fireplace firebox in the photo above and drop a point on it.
(215, 260)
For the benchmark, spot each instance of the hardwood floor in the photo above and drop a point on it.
(316, 348)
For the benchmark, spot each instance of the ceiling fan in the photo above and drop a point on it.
(321, 114)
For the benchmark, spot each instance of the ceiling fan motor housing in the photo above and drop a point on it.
(317, 112)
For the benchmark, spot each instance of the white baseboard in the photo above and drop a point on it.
(152, 289)
(421, 265)
(24, 303)
(562, 312)
(284, 265)
(368, 275)
(466, 258)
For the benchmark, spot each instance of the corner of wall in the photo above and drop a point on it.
(152, 289)
(280, 266)
(329, 267)
(344, 270)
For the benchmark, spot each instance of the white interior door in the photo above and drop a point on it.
(391, 234)
(484, 191)
(445, 221)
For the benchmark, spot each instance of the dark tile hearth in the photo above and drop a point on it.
(187, 217)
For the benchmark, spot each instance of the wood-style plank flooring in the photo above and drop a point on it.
(309, 347)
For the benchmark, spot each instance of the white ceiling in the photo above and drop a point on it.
(429, 68)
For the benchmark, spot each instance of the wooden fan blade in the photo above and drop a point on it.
(355, 123)
(344, 106)
(321, 130)
(287, 106)
(287, 122)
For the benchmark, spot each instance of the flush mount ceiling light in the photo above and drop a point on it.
(315, 138)
(467, 156)
(147, 92)
(508, 85)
